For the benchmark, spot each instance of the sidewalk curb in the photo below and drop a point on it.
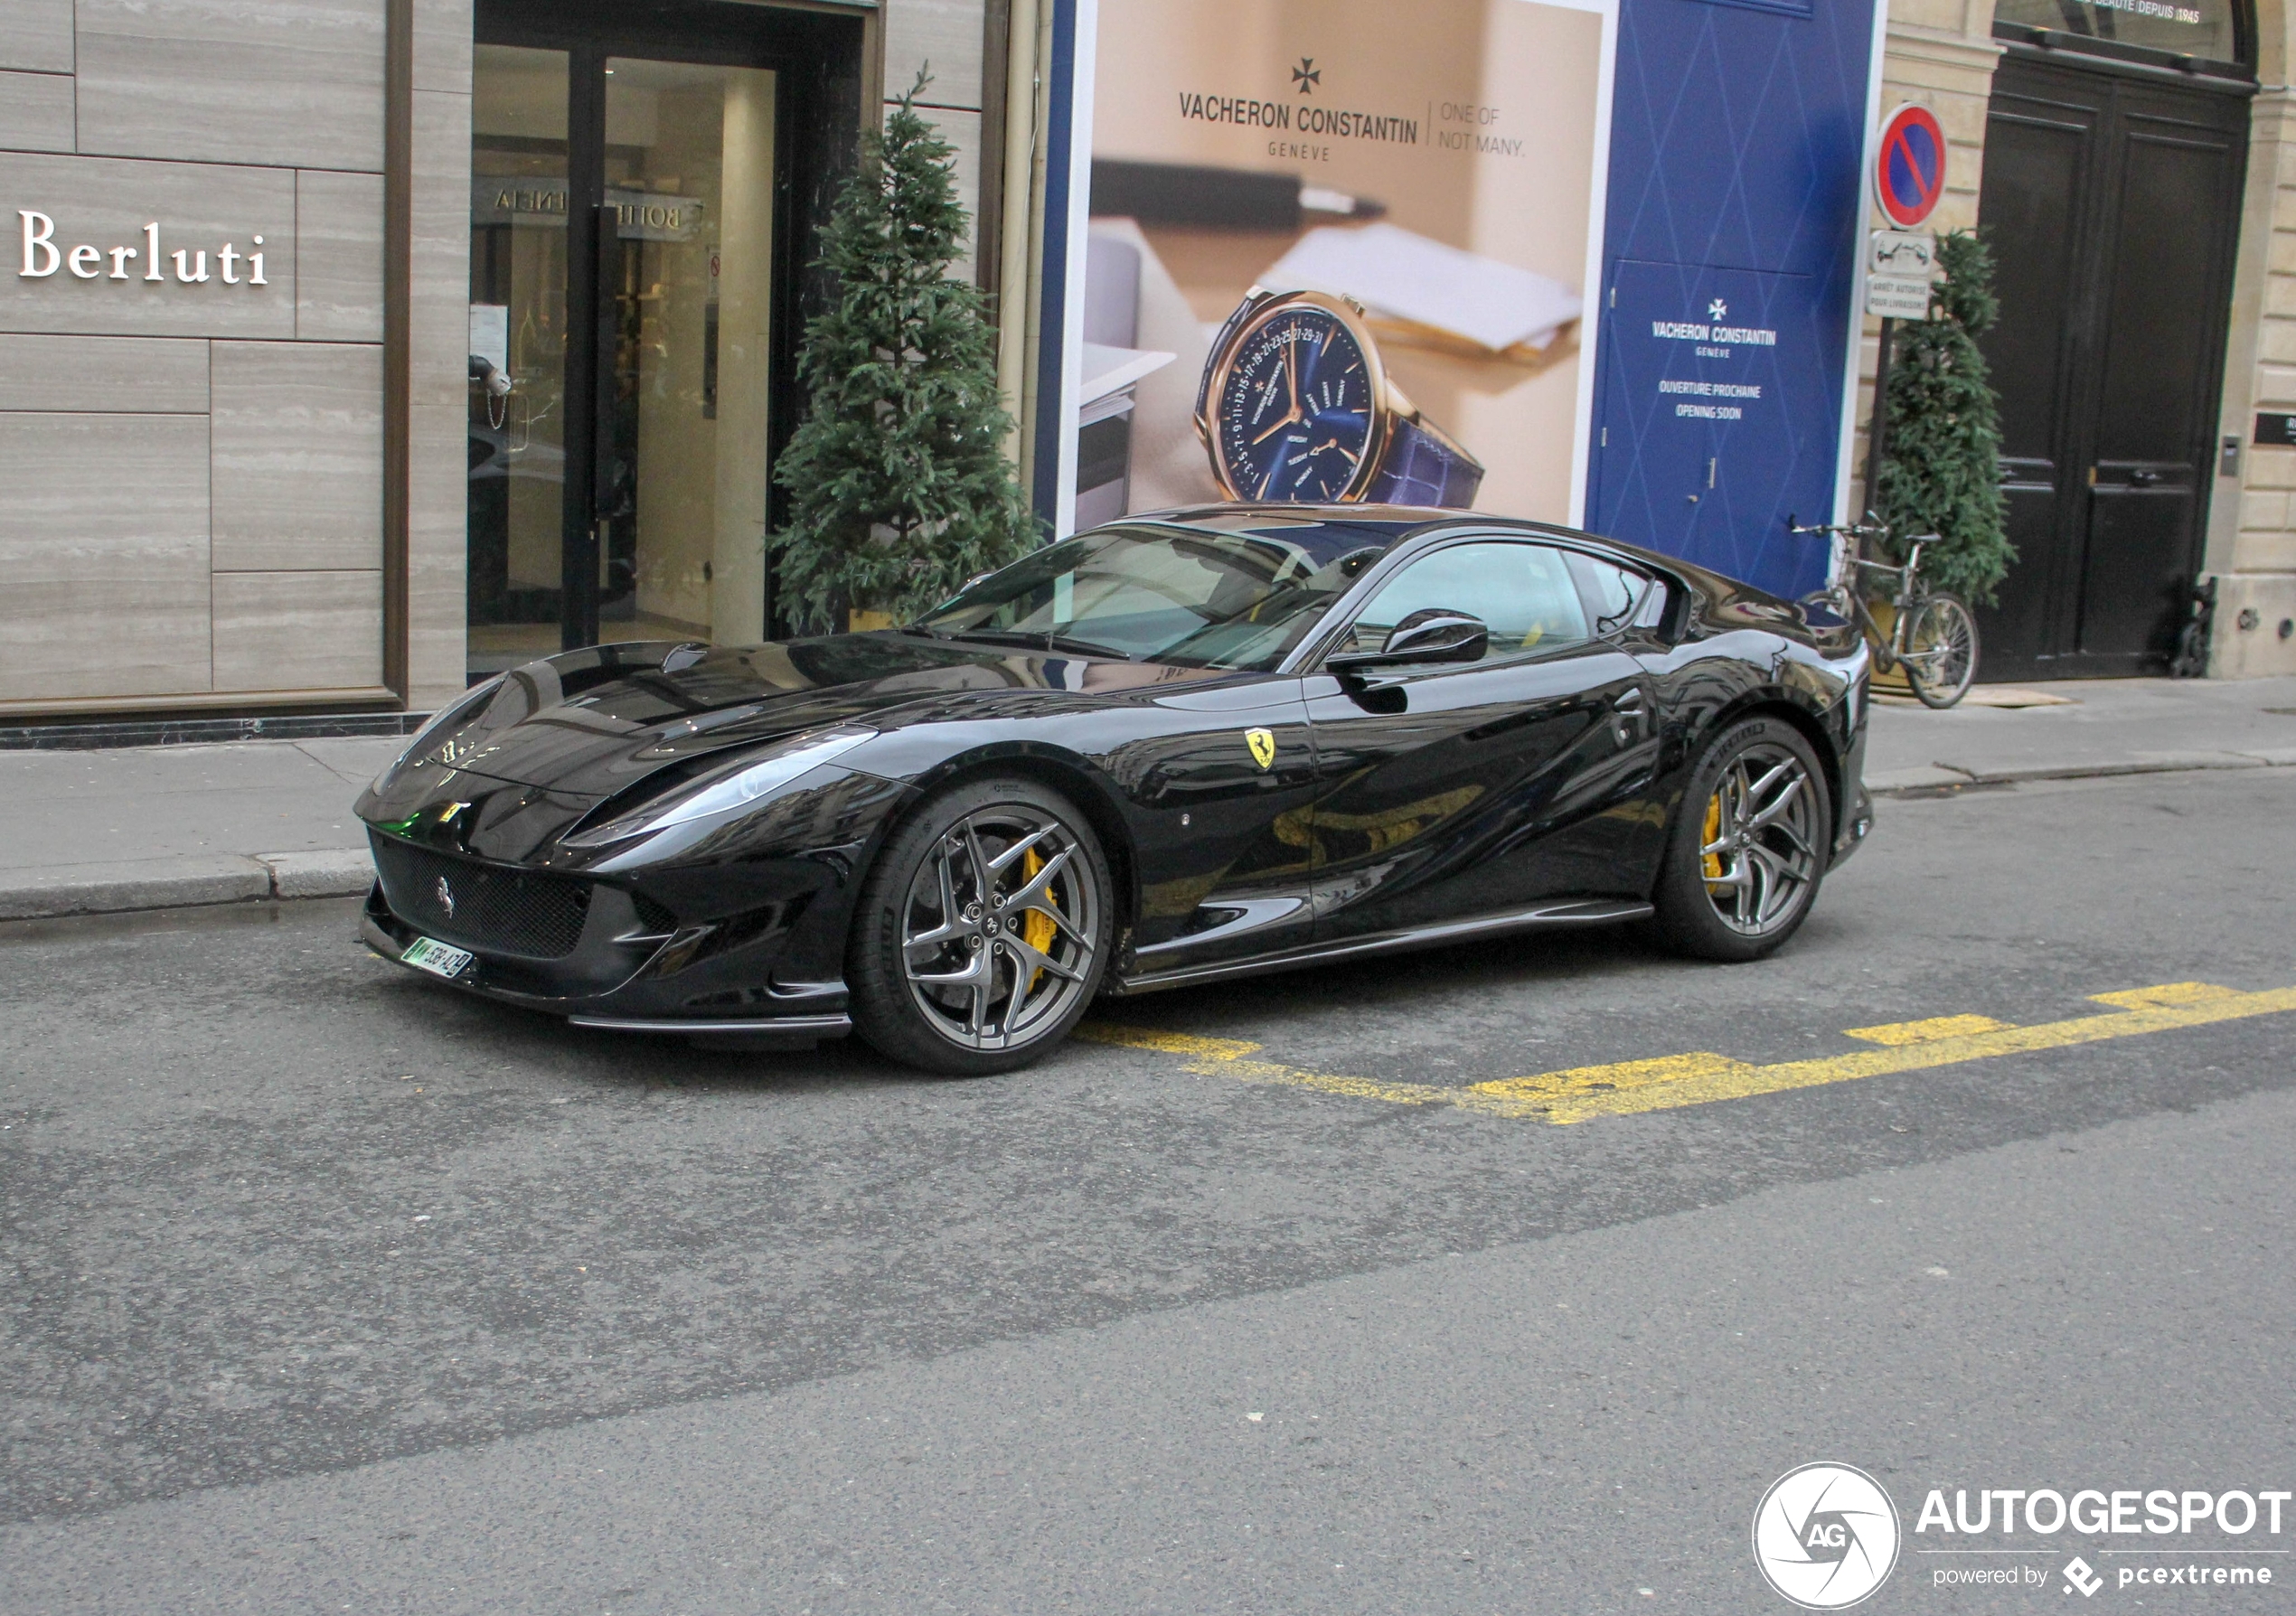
(123, 887)
(1945, 778)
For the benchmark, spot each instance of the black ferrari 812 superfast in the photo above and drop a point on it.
(1168, 751)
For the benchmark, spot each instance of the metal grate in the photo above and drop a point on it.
(484, 906)
(653, 915)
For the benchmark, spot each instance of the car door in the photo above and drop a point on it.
(1451, 789)
(1221, 777)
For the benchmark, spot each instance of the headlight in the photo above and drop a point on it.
(453, 716)
(721, 793)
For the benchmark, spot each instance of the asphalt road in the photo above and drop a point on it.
(327, 1290)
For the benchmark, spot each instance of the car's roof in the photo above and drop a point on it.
(1385, 525)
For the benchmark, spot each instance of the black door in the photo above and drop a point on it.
(2111, 202)
(1456, 790)
(648, 183)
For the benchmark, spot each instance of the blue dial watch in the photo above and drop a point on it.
(1295, 406)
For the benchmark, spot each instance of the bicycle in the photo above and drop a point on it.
(1934, 636)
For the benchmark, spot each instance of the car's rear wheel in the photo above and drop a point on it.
(983, 931)
(1749, 845)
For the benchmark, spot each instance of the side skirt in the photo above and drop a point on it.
(1600, 911)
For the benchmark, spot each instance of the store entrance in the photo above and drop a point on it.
(2112, 202)
(631, 329)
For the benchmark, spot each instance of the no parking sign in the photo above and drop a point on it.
(1909, 167)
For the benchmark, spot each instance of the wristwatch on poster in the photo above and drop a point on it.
(1295, 406)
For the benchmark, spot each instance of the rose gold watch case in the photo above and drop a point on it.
(1387, 402)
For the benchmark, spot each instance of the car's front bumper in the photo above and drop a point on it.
(621, 978)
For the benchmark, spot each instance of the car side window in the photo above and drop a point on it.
(1522, 592)
(1610, 592)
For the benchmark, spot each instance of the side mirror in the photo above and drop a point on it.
(1431, 634)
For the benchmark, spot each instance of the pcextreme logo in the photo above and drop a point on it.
(1825, 1535)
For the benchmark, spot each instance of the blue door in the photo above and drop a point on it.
(1720, 410)
(1737, 141)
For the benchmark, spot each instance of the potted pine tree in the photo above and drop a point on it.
(1941, 471)
(899, 488)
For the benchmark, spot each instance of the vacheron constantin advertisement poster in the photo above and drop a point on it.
(1339, 251)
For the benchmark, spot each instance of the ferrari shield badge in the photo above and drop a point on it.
(1263, 745)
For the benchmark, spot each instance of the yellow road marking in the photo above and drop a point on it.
(1925, 1032)
(1703, 1077)
(1626, 1074)
(2169, 993)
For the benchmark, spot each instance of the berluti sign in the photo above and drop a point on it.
(43, 256)
(106, 246)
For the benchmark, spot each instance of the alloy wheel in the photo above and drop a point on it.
(1759, 849)
(997, 928)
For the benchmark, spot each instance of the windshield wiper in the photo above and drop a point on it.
(1050, 640)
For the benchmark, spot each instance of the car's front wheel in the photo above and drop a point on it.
(1749, 845)
(983, 931)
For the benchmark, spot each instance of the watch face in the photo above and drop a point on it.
(1293, 420)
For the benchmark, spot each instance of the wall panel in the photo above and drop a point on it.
(117, 375)
(285, 631)
(103, 540)
(338, 256)
(35, 35)
(297, 453)
(35, 112)
(294, 82)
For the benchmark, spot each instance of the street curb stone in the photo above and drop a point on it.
(1904, 782)
(61, 890)
(336, 872)
(150, 884)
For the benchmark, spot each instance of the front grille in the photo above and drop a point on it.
(510, 911)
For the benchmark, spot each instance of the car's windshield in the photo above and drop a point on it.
(1185, 595)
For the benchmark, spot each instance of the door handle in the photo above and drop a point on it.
(2144, 478)
(1627, 715)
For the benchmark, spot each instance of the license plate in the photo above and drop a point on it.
(425, 954)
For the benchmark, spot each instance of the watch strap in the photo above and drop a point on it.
(1422, 467)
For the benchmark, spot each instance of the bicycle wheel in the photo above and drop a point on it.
(1940, 650)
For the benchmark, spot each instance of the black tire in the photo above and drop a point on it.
(935, 960)
(1751, 909)
(1941, 646)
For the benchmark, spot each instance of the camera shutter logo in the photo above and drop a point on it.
(1825, 1535)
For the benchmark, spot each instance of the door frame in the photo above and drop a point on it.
(2033, 78)
(823, 57)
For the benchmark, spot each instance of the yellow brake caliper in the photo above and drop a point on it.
(1712, 862)
(1037, 929)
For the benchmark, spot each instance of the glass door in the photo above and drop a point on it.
(622, 287)
(687, 272)
(518, 352)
